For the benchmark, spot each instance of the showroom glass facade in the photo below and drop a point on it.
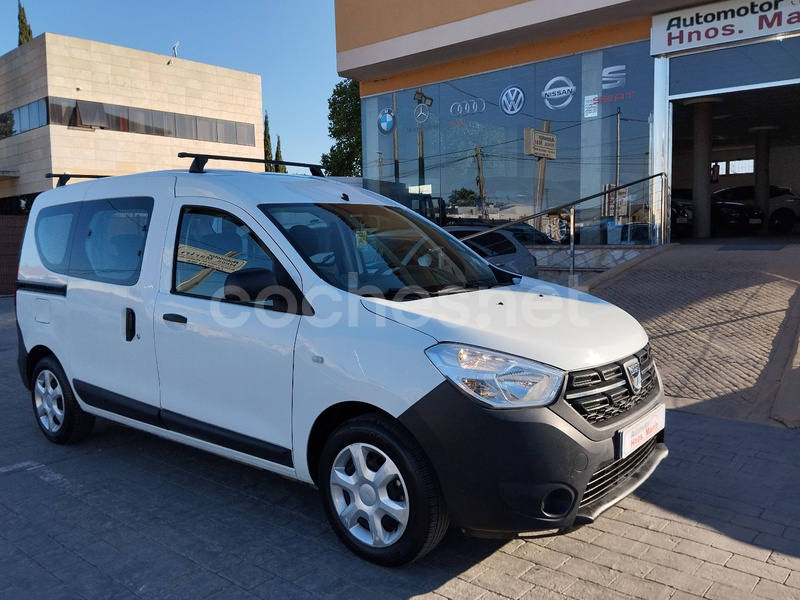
(431, 139)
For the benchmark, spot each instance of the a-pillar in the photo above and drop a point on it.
(701, 167)
(761, 166)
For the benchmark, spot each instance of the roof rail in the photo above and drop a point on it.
(63, 178)
(200, 160)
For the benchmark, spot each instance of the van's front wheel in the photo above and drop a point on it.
(380, 493)
(57, 412)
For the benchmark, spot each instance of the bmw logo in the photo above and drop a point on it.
(386, 121)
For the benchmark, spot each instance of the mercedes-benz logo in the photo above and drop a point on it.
(512, 100)
(421, 113)
(468, 107)
(558, 93)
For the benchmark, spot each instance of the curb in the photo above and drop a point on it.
(600, 281)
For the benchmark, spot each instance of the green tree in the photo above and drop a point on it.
(279, 156)
(267, 145)
(6, 125)
(25, 33)
(463, 197)
(344, 126)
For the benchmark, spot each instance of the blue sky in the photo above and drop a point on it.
(290, 43)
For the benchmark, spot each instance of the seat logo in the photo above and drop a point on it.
(386, 121)
(634, 372)
(512, 100)
(558, 93)
(614, 77)
(468, 107)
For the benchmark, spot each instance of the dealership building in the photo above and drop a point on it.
(530, 103)
(85, 107)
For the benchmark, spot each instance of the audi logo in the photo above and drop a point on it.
(467, 107)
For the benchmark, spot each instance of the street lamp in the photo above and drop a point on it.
(421, 115)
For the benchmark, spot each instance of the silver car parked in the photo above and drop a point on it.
(500, 248)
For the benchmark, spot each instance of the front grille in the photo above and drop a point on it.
(605, 392)
(612, 475)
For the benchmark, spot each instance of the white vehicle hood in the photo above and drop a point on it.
(551, 324)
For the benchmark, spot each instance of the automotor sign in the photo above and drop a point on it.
(722, 23)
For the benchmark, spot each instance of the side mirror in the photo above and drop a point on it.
(246, 285)
(261, 287)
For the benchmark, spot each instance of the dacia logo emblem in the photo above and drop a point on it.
(634, 372)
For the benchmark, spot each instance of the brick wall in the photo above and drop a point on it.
(12, 227)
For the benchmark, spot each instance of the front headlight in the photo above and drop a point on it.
(497, 380)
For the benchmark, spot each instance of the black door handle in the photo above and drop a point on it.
(130, 324)
(173, 318)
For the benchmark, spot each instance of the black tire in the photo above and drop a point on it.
(408, 490)
(57, 413)
(781, 221)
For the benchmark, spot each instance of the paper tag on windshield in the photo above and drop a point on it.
(208, 259)
(361, 238)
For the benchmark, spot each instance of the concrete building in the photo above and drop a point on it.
(456, 93)
(79, 106)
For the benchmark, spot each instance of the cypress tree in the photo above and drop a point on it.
(279, 156)
(267, 145)
(25, 33)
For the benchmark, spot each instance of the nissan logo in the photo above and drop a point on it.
(512, 100)
(558, 93)
(467, 107)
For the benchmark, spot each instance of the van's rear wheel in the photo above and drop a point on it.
(57, 412)
(380, 493)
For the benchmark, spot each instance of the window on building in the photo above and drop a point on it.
(117, 117)
(163, 123)
(83, 113)
(206, 129)
(245, 134)
(140, 120)
(186, 126)
(226, 132)
(741, 167)
(92, 114)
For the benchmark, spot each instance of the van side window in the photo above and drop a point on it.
(109, 240)
(54, 231)
(213, 245)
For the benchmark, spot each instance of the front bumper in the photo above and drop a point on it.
(504, 472)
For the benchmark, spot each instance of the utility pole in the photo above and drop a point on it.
(541, 168)
(481, 188)
(396, 143)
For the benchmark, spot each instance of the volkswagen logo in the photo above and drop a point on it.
(386, 121)
(634, 371)
(421, 113)
(558, 93)
(512, 100)
(467, 107)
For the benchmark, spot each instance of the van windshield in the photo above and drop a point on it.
(380, 251)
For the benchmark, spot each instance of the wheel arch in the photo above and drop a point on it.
(35, 354)
(327, 422)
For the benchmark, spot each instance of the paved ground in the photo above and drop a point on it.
(128, 515)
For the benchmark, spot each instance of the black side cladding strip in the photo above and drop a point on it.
(152, 415)
(118, 404)
(226, 438)
(55, 289)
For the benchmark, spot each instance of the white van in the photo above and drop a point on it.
(335, 337)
